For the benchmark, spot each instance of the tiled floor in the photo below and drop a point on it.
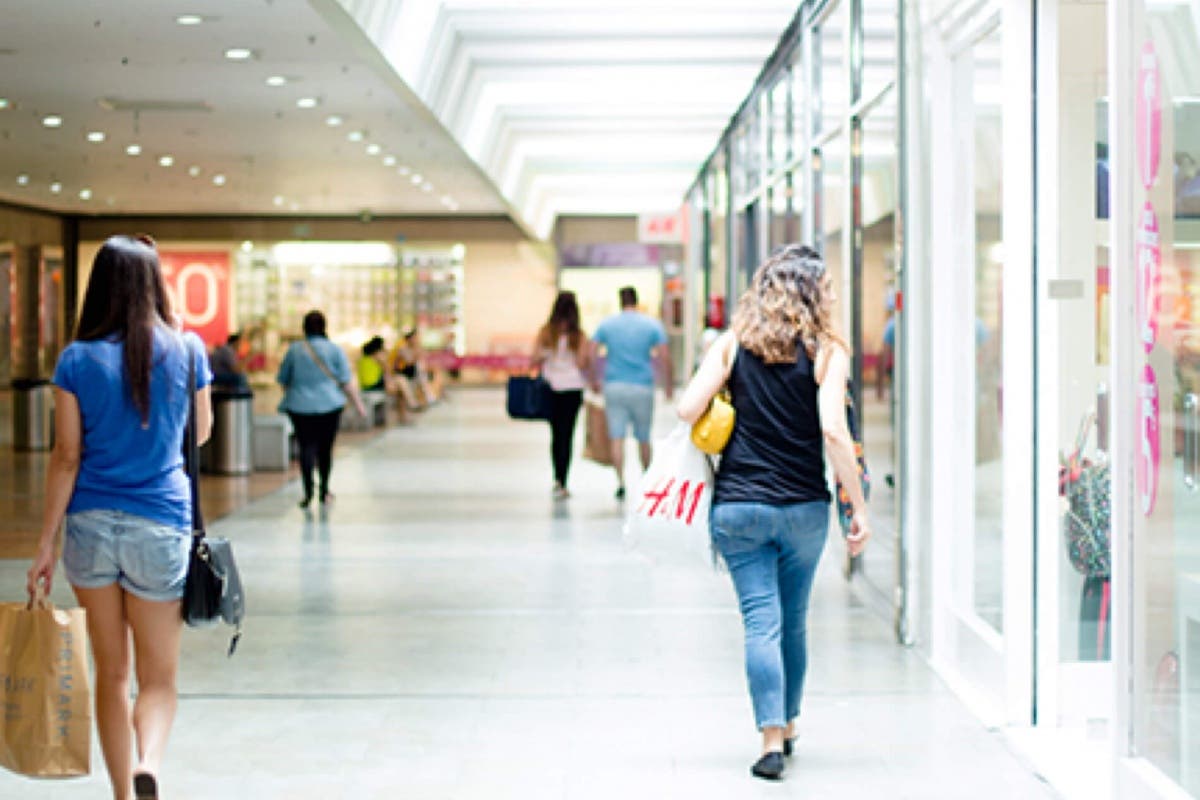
(447, 631)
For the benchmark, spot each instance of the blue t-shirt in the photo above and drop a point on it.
(307, 389)
(629, 338)
(125, 466)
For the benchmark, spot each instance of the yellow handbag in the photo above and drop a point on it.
(711, 432)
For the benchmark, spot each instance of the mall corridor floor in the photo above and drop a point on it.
(446, 630)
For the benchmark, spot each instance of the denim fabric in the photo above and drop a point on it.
(772, 554)
(147, 558)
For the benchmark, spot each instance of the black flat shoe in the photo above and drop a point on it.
(789, 745)
(306, 502)
(770, 766)
(145, 787)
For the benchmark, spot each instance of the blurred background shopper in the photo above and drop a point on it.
(562, 354)
(116, 475)
(632, 342)
(787, 369)
(316, 380)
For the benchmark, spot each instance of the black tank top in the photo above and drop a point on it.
(776, 454)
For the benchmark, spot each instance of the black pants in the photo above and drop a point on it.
(315, 434)
(564, 410)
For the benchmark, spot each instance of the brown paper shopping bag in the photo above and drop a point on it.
(45, 706)
(596, 445)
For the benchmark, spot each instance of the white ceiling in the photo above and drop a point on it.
(63, 57)
(580, 106)
(529, 107)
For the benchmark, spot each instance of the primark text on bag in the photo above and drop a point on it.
(45, 700)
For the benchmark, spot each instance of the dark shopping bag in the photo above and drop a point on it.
(528, 398)
(45, 706)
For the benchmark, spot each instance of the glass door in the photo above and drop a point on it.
(1165, 340)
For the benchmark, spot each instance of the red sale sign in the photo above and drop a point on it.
(198, 284)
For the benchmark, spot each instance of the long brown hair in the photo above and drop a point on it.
(127, 298)
(786, 306)
(564, 321)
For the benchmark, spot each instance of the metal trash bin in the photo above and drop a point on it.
(33, 414)
(228, 449)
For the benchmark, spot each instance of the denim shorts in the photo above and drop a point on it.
(627, 404)
(149, 559)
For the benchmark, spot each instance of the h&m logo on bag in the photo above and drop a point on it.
(669, 501)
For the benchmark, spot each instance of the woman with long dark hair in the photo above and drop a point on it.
(116, 475)
(786, 367)
(316, 379)
(562, 354)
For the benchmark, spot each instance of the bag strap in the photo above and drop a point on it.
(320, 362)
(192, 454)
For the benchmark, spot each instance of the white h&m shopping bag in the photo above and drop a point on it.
(667, 519)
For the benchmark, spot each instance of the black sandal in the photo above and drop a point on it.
(145, 787)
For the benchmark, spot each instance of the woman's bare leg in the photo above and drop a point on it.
(157, 628)
(109, 633)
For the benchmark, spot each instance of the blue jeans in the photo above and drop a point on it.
(772, 554)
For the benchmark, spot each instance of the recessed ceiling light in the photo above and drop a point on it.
(426, 187)
(404, 170)
(277, 199)
(447, 200)
(306, 102)
(85, 194)
(134, 150)
(166, 161)
(239, 53)
(95, 136)
(56, 187)
(333, 120)
(194, 172)
(295, 206)
(4, 103)
(247, 246)
(416, 178)
(389, 161)
(22, 180)
(189, 19)
(52, 121)
(276, 80)
(355, 136)
(218, 180)
(374, 149)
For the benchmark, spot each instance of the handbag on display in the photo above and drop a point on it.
(1086, 485)
(528, 397)
(845, 509)
(711, 432)
(212, 591)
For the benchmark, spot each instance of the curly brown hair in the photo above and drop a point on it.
(785, 305)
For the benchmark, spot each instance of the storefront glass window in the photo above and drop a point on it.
(833, 83)
(879, 45)
(877, 299)
(988, 332)
(718, 205)
(1167, 457)
(1073, 379)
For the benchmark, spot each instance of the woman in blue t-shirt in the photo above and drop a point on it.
(116, 475)
(786, 369)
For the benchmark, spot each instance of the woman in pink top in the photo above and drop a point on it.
(562, 354)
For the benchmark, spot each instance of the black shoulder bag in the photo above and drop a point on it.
(213, 590)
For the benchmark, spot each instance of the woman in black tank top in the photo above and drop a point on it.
(786, 368)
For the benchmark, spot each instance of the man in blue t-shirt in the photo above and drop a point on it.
(631, 341)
